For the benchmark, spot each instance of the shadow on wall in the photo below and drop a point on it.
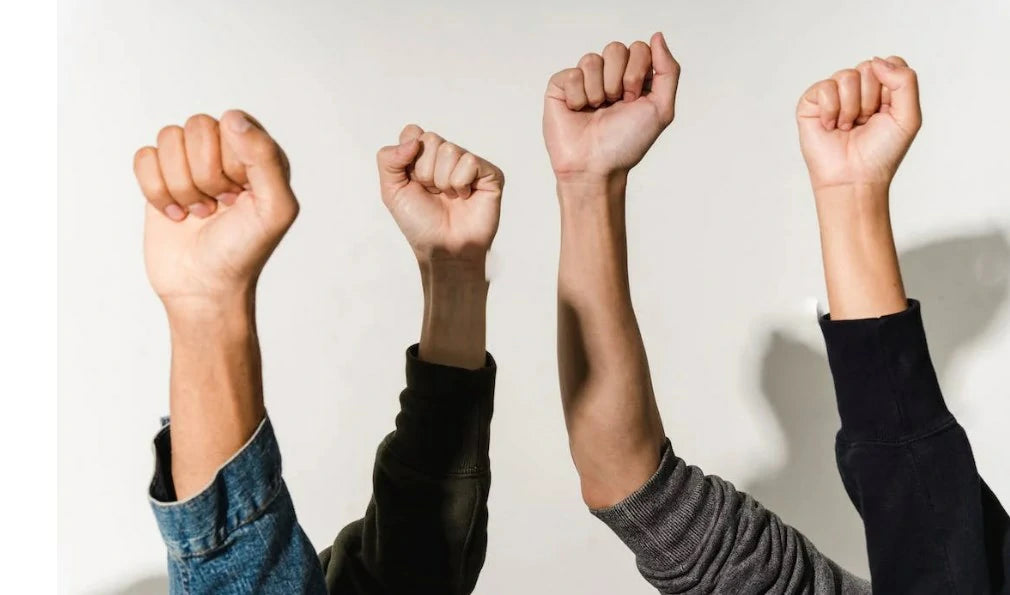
(152, 585)
(962, 283)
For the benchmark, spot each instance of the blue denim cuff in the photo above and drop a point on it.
(239, 493)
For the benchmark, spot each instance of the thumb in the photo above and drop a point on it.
(266, 166)
(394, 160)
(903, 85)
(666, 75)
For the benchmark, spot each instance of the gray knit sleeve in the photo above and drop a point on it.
(695, 533)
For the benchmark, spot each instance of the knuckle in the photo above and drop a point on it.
(615, 47)
(266, 149)
(640, 46)
(633, 79)
(169, 133)
(143, 153)
(430, 137)
(411, 128)
(200, 123)
(591, 59)
(845, 73)
(447, 149)
(572, 75)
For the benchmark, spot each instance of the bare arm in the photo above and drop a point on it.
(599, 120)
(216, 390)
(615, 431)
(690, 532)
(854, 132)
(218, 204)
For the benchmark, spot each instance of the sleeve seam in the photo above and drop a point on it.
(229, 533)
(947, 423)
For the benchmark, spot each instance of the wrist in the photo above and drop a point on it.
(453, 330)
(451, 271)
(222, 317)
(849, 194)
(850, 207)
(587, 186)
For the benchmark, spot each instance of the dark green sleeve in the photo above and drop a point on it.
(425, 528)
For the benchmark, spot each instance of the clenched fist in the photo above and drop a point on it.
(445, 199)
(856, 126)
(603, 115)
(219, 202)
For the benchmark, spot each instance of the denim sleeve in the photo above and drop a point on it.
(932, 525)
(425, 528)
(238, 535)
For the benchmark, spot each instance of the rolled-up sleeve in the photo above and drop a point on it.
(240, 533)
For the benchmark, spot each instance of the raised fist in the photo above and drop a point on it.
(856, 126)
(603, 115)
(219, 202)
(445, 199)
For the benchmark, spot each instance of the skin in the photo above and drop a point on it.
(446, 201)
(219, 201)
(855, 129)
(600, 118)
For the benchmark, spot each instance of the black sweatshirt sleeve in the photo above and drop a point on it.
(932, 525)
(425, 529)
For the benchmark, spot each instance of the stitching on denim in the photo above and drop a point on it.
(228, 540)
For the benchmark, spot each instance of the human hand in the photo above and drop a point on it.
(445, 199)
(219, 201)
(602, 116)
(856, 126)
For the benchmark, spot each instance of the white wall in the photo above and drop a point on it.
(724, 250)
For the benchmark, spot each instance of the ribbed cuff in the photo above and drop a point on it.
(241, 489)
(445, 417)
(885, 383)
(665, 520)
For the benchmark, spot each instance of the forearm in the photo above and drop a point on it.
(453, 330)
(615, 432)
(860, 261)
(216, 393)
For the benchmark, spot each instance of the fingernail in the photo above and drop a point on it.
(831, 125)
(239, 123)
(227, 198)
(199, 209)
(884, 62)
(845, 126)
(175, 212)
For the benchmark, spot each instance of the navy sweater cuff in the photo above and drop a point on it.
(885, 384)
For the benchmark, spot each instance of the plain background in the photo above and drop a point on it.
(723, 246)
